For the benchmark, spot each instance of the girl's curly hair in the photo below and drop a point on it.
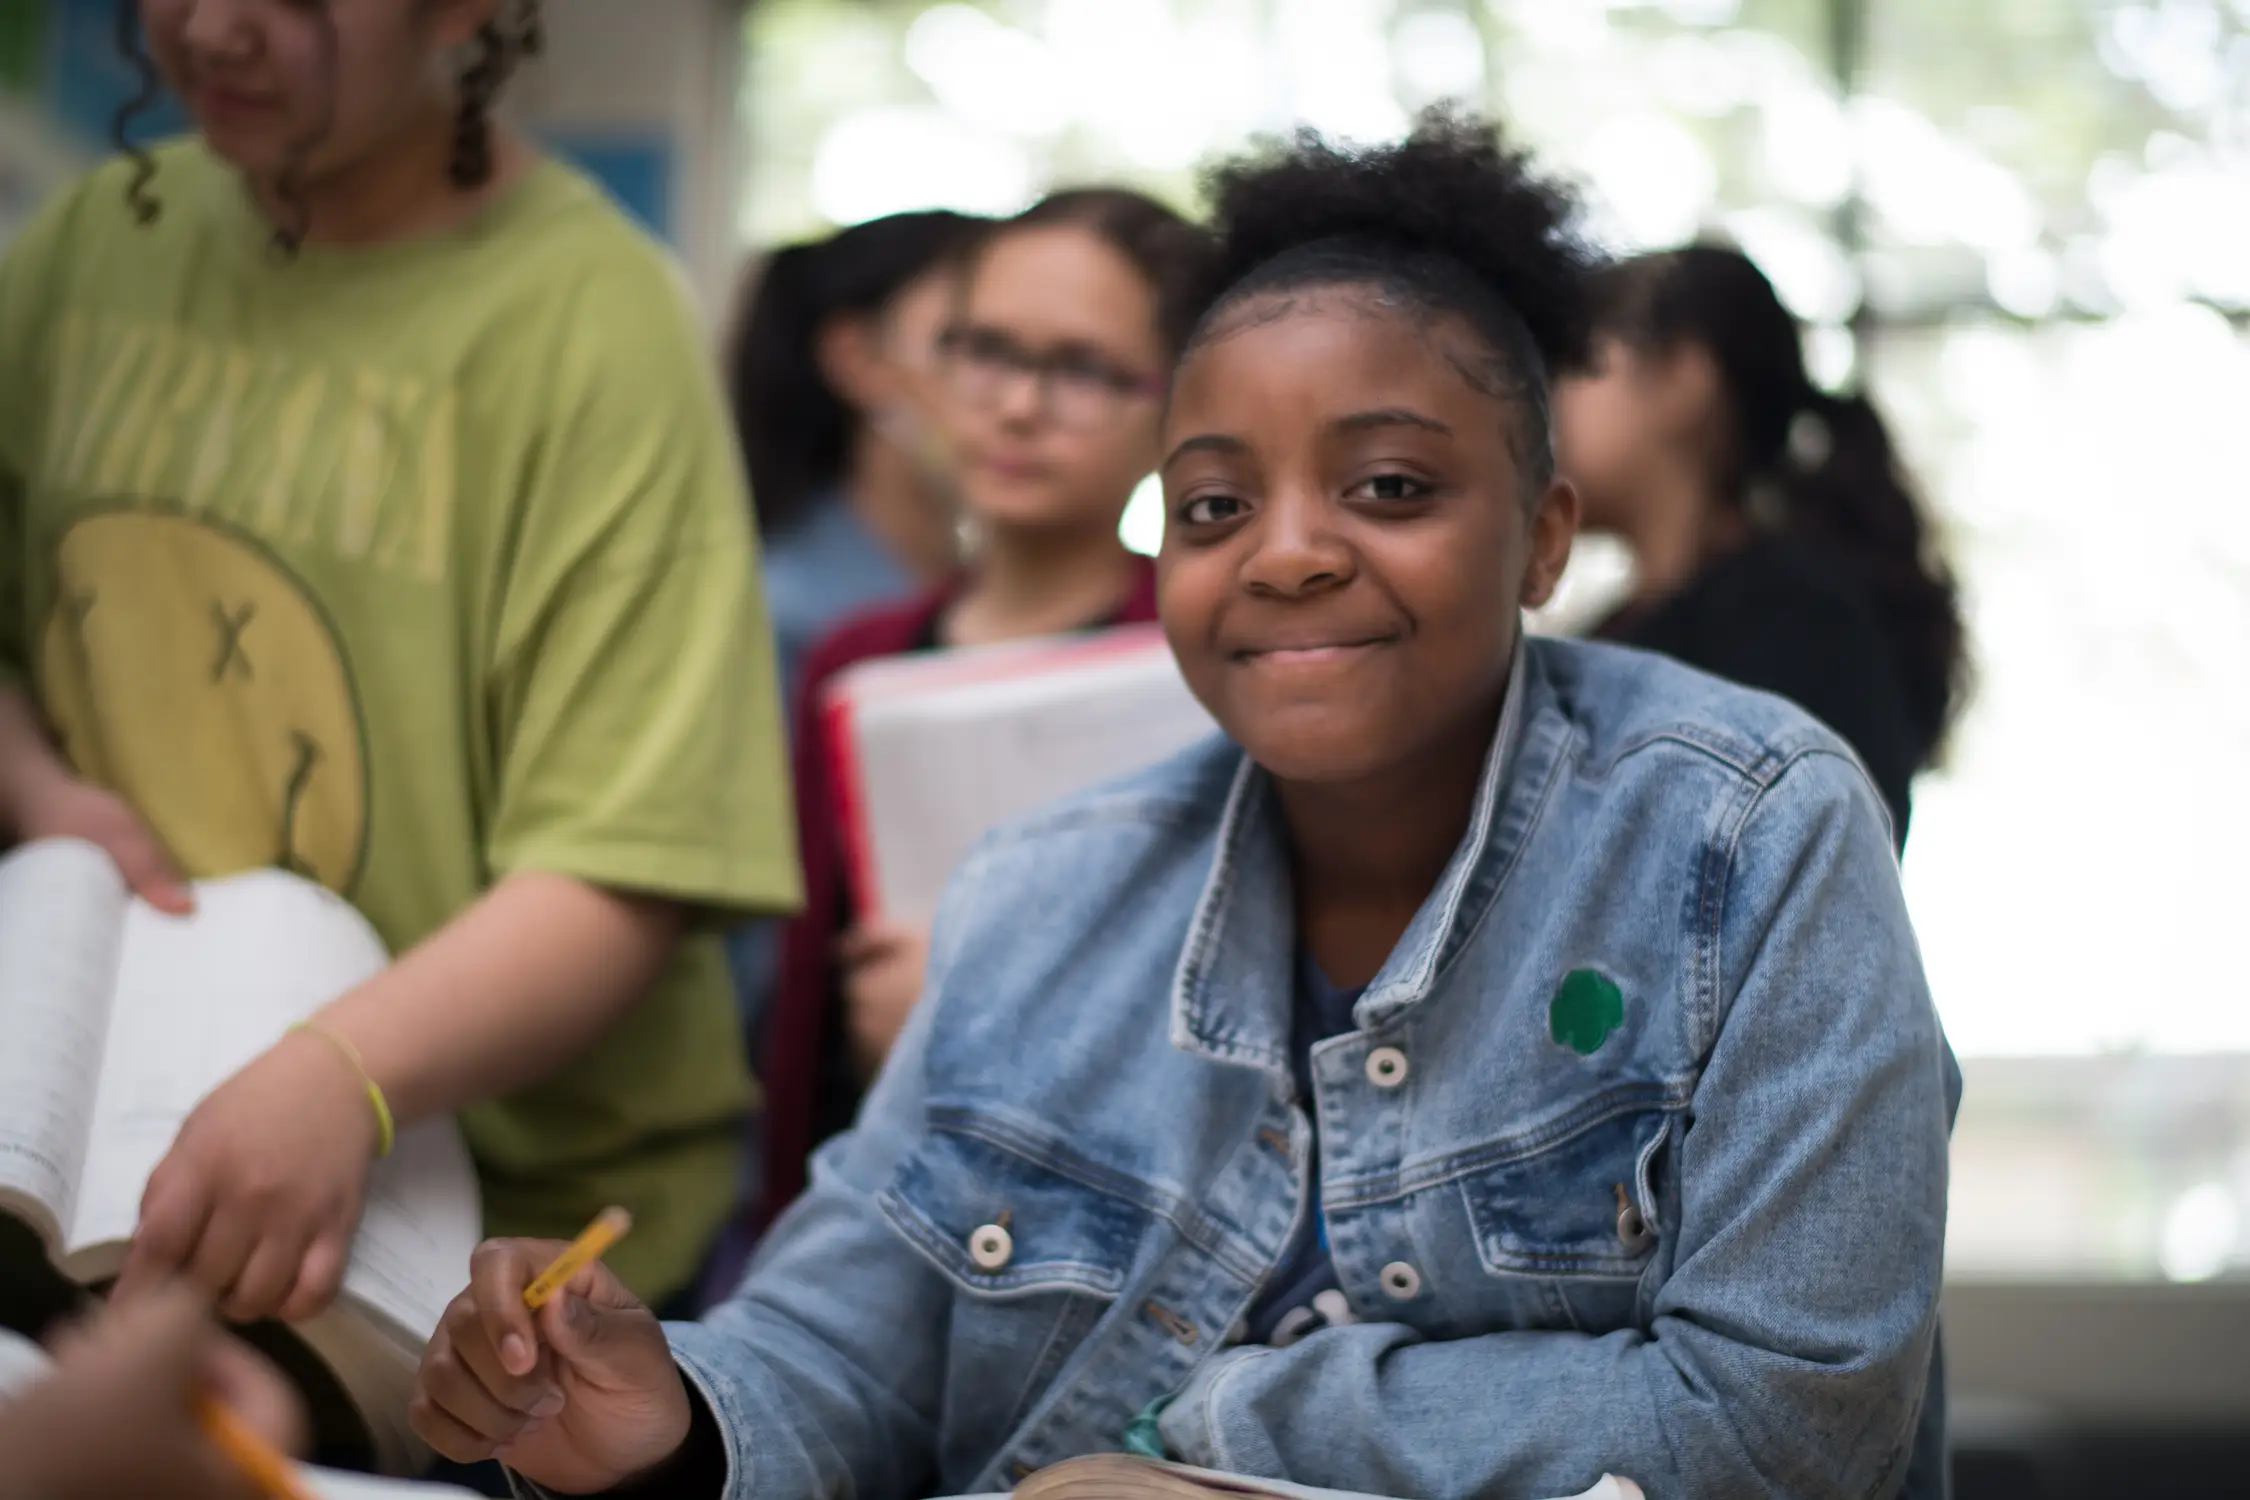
(1453, 223)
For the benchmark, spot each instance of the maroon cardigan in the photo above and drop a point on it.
(791, 1067)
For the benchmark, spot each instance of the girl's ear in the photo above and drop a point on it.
(1554, 527)
(851, 360)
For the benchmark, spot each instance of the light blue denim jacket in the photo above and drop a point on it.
(1101, 1069)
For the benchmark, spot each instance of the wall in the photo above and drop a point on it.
(644, 94)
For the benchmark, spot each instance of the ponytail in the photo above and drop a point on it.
(796, 431)
(1802, 461)
(1841, 482)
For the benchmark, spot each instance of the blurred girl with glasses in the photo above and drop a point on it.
(1052, 376)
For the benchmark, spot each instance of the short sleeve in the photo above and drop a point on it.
(635, 704)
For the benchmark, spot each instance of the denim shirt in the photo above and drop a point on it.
(1693, 1238)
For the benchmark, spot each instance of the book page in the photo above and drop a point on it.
(199, 997)
(938, 769)
(62, 909)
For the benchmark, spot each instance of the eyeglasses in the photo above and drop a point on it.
(1075, 385)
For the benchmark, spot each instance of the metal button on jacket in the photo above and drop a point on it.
(992, 1247)
(1386, 1067)
(1632, 1228)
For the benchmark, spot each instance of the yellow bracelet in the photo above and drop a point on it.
(386, 1128)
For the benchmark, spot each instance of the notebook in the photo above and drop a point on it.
(23, 1362)
(929, 751)
(1115, 1476)
(119, 1020)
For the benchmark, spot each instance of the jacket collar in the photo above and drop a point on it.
(1231, 994)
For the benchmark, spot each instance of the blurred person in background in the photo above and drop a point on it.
(834, 383)
(1053, 361)
(833, 376)
(1775, 535)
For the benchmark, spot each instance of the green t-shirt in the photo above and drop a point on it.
(406, 568)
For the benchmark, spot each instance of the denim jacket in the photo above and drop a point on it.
(1636, 1161)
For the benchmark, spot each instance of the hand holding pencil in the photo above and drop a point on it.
(578, 1393)
(130, 1410)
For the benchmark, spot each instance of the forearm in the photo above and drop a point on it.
(29, 761)
(1368, 1408)
(509, 991)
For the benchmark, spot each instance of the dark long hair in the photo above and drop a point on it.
(1825, 463)
(796, 431)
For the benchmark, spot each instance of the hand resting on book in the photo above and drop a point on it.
(262, 1217)
(40, 799)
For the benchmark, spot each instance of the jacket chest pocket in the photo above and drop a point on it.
(1574, 1221)
(1035, 1258)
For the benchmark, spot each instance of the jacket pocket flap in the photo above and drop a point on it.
(1000, 1223)
(1583, 1205)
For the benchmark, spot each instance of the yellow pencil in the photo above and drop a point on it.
(608, 1228)
(274, 1475)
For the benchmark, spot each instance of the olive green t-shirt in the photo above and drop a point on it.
(407, 568)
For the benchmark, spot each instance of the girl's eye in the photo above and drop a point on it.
(1391, 487)
(1209, 510)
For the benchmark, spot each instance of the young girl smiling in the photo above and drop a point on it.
(1493, 1063)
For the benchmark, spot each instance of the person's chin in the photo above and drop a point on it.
(253, 152)
(1316, 745)
(1024, 509)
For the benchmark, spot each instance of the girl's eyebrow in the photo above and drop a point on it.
(1207, 442)
(1358, 421)
(1389, 416)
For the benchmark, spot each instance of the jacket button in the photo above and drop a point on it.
(1401, 1282)
(1386, 1067)
(992, 1247)
(1632, 1228)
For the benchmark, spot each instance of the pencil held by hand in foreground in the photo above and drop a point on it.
(577, 1396)
(609, 1226)
(260, 1462)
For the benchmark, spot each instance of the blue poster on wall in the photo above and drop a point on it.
(90, 76)
(636, 171)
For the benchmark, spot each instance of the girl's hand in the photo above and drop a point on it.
(118, 1415)
(578, 1397)
(884, 968)
(259, 1197)
(63, 807)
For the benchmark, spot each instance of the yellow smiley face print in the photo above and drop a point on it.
(185, 668)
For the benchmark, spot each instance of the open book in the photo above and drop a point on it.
(1114, 1476)
(119, 1020)
(22, 1363)
(931, 750)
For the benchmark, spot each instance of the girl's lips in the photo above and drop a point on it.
(1322, 654)
(233, 106)
(1012, 468)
